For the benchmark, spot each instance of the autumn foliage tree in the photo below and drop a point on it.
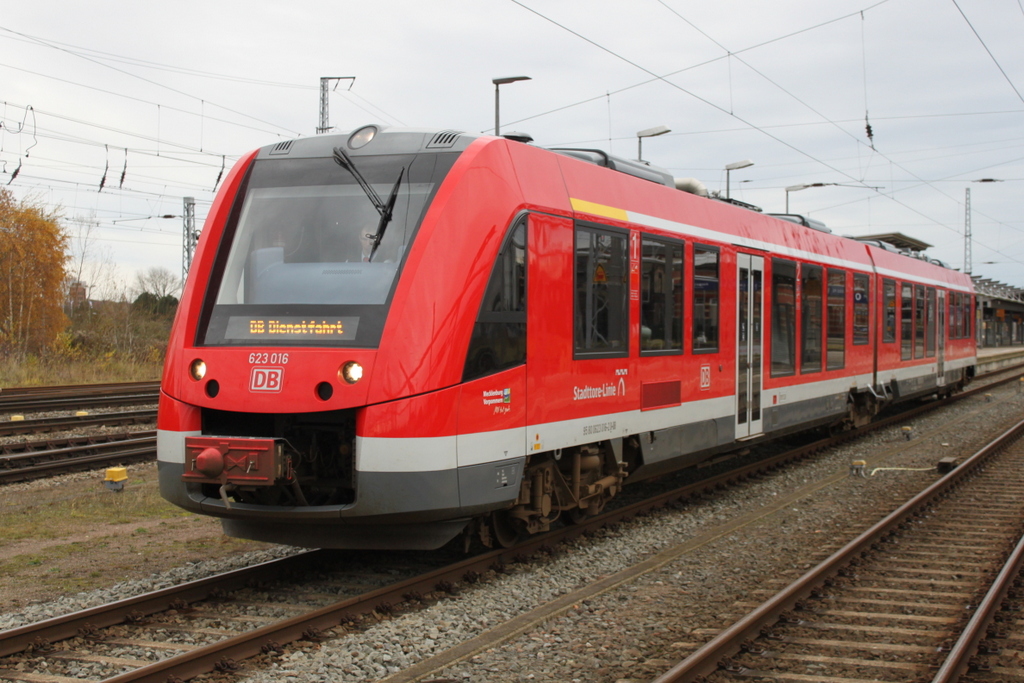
(33, 256)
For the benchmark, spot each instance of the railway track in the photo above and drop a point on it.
(77, 396)
(53, 424)
(45, 649)
(111, 387)
(887, 606)
(33, 460)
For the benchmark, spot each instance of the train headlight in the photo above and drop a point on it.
(351, 372)
(362, 137)
(197, 369)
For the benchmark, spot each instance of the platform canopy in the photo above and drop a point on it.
(898, 240)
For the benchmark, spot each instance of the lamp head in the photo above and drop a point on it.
(509, 79)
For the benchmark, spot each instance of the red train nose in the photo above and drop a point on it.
(210, 462)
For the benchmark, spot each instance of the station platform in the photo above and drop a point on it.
(995, 357)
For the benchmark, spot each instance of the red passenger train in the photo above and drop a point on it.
(392, 337)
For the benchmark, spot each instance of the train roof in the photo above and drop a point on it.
(376, 139)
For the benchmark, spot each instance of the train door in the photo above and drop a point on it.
(940, 331)
(749, 344)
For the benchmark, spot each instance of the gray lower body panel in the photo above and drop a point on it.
(392, 509)
(800, 413)
(670, 449)
(915, 386)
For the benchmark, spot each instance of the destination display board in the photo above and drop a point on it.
(291, 328)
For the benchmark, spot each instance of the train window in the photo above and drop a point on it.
(661, 308)
(810, 356)
(951, 317)
(968, 315)
(705, 299)
(929, 333)
(296, 265)
(861, 312)
(602, 291)
(959, 313)
(919, 321)
(889, 302)
(907, 323)
(499, 336)
(836, 358)
(963, 313)
(783, 318)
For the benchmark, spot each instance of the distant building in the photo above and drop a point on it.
(1001, 312)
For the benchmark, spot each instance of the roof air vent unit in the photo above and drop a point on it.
(636, 169)
(802, 220)
(444, 140)
(518, 137)
(282, 147)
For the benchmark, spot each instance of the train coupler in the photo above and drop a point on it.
(231, 462)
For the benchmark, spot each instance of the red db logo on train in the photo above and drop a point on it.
(266, 379)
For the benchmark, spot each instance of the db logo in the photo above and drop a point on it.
(705, 377)
(266, 379)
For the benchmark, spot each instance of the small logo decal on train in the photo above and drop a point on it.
(266, 379)
(587, 392)
(495, 396)
(705, 377)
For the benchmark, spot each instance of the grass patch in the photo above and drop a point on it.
(76, 535)
(56, 515)
(32, 371)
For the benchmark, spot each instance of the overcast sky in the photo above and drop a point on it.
(165, 94)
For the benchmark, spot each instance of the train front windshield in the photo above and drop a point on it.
(309, 259)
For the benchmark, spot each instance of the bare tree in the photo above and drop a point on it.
(158, 281)
(91, 265)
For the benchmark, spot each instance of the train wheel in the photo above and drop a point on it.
(579, 515)
(506, 530)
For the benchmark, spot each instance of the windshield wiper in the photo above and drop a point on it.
(383, 208)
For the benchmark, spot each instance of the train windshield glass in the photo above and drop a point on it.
(299, 269)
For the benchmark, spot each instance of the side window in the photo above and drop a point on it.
(836, 320)
(783, 318)
(705, 298)
(929, 333)
(602, 291)
(661, 308)
(889, 302)
(919, 321)
(962, 315)
(907, 323)
(951, 319)
(810, 356)
(968, 315)
(861, 311)
(958, 316)
(499, 336)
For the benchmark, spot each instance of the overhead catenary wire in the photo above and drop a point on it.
(729, 54)
(993, 57)
(786, 36)
(155, 171)
(709, 103)
(177, 91)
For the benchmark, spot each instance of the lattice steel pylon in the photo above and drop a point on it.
(325, 123)
(190, 237)
(967, 232)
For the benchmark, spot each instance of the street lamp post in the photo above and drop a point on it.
(497, 83)
(648, 133)
(734, 167)
(803, 186)
(968, 238)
